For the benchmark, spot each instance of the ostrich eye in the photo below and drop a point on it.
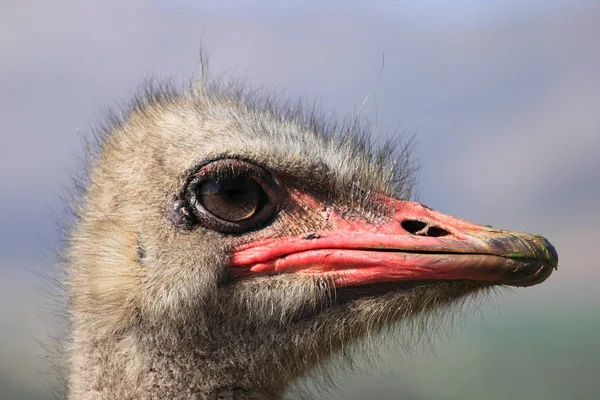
(232, 199)
(229, 196)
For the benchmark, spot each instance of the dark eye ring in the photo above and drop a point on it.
(232, 196)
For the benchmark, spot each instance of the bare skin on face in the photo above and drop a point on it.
(225, 246)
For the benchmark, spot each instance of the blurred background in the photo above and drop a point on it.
(504, 97)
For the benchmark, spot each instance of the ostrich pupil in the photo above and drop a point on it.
(232, 199)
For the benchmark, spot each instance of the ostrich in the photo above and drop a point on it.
(226, 244)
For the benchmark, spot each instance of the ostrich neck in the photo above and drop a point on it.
(131, 366)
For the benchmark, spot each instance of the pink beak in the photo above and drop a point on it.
(413, 243)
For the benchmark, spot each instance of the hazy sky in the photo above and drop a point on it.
(504, 97)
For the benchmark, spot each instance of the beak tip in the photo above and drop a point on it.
(551, 250)
(550, 261)
(553, 254)
(536, 256)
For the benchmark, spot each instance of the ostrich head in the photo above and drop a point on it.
(225, 245)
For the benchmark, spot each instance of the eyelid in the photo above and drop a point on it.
(200, 216)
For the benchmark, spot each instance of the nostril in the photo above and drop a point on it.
(413, 226)
(421, 228)
(434, 231)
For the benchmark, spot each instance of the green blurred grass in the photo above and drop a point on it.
(547, 356)
(551, 355)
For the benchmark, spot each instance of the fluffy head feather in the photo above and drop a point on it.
(155, 311)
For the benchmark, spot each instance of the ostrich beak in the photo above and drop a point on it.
(412, 243)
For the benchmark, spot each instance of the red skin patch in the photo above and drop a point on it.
(353, 251)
